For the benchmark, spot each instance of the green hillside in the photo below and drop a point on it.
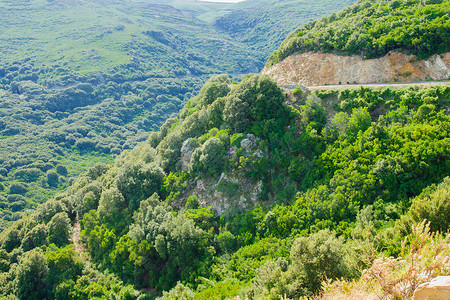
(256, 22)
(309, 185)
(242, 190)
(373, 28)
(81, 81)
(87, 36)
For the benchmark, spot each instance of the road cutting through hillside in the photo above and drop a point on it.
(373, 85)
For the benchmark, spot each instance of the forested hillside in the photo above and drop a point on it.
(81, 81)
(310, 185)
(249, 191)
(254, 22)
(373, 28)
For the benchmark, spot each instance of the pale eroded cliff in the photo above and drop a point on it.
(312, 69)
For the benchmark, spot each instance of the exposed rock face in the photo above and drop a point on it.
(245, 196)
(437, 289)
(313, 69)
(249, 143)
(186, 152)
(232, 192)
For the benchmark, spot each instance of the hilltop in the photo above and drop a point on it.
(373, 28)
(368, 42)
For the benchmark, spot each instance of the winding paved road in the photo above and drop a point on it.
(352, 86)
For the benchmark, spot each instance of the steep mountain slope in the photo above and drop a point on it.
(80, 81)
(237, 194)
(248, 191)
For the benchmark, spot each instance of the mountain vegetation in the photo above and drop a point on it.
(249, 191)
(373, 28)
(340, 177)
(81, 81)
(254, 22)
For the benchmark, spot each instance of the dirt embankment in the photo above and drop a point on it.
(313, 69)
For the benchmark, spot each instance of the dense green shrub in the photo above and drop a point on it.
(28, 174)
(192, 202)
(316, 257)
(18, 188)
(256, 105)
(297, 91)
(52, 178)
(64, 264)
(434, 206)
(59, 229)
(35, 238)
(61, 170)
(32, 273)
(138, 181)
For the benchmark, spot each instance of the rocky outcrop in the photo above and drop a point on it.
(315, 69)
(231, 192)
(437, 289)
(186, 152)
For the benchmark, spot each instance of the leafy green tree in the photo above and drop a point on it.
(297, 91)
(192, 202)
(35, 238)
(183, 247)
(18, 188)
(59, 229)
(11, 239)
(312, 114)
(138, 181)
(212, 158)
(46, 211)
(112, 208)
(226, 241)
(64, 264)
(179, 292)
(4, 261)
(213, 90)
(254, 104)
(360, 120)
(236, 114)
(52, 178)
(216, 113)
(267, 282)
(148, 219)
(124, 259)
(28, 174)
(32, 276)
(61, 170)
(320, 254)
(434, 206)
(204, 218)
